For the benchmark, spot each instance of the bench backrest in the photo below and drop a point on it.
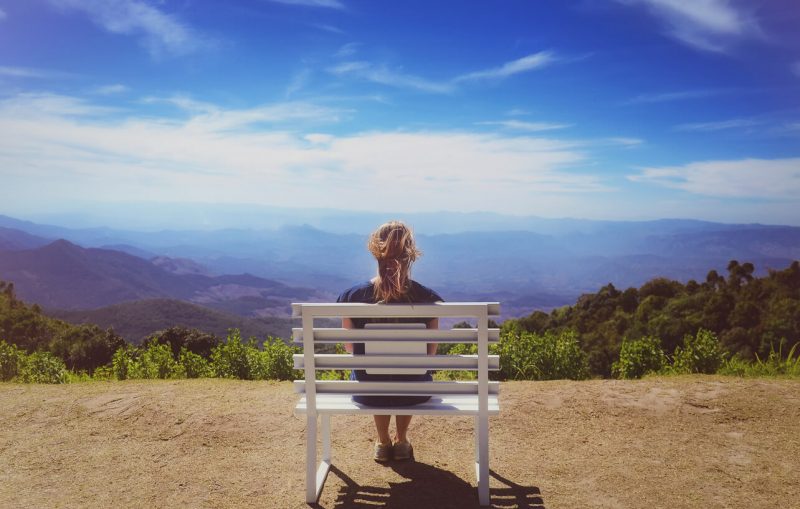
(310, 362)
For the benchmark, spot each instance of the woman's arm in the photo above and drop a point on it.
(433, 324)
(347, 324)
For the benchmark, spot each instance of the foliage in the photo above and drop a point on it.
(528, 356)
(192, 365)
(748, 314)
(12, 359)
(43, 368)
(243, 360)
(701, 353)
(638, 357)
(775, 365)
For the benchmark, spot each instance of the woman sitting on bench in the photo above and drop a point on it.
(392, 245)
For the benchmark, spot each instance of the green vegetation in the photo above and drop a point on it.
(738, 326)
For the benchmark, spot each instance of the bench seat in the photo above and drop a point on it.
(456, 404)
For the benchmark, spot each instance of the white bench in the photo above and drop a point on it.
(326, 397)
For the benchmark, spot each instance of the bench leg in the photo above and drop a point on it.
(482, 457)
(316, 475)
(311, 458)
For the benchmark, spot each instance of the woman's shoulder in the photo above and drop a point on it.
(362, 292)
(421, 293)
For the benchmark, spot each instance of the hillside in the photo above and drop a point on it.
(62, 275)
(135, 320)
(688, 442)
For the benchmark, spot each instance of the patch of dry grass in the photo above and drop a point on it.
(672, 442)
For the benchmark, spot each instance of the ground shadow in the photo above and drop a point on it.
(429, 486)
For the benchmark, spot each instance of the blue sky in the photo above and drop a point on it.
(617, 109)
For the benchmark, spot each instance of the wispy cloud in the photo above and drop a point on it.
(746, 178)
(29, 72)
(347, 50)
(397, 78)
(208, 117)
(207, 156)
(3, 15)
(625, 141)
(116, 88)
(390, 77)
(717, 126)
(160, 33)
(795, 67)
(298, 82)
(707, 25)
(674, 96)
(524, 64)
(526, 126)
(330, 4)
(330, 28)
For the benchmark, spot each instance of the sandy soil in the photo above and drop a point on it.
(700, 442)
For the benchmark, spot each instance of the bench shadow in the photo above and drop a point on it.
(429, 486)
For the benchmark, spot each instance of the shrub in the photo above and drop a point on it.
(44, 368)
(12, 360)
(774, 365)
(235, 359)
(123, 364)
(701, 353)
(639, 357)
(276, 360)
(549, 356)
(156, 362)
(192, 365)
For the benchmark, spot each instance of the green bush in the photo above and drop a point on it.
(235, 359)
(528, 356)
(192, 365)
(701, 353)
(639, 357)
(123, 363)
(276, 361)
(12, 359)
(156, 362)
(774, 365)
(44, 368)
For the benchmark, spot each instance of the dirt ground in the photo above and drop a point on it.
(698, 442)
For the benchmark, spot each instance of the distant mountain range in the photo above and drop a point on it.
(134, 321)
(543, 264)
(62, 275)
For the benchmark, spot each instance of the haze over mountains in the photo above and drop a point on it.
(531, 263)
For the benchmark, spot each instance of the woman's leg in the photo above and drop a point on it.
(402, 422)
(382, 426)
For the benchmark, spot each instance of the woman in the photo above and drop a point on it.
(392, 245)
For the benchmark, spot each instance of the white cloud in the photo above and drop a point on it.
(298, 82)
(220, 155)
(746, 178)
(526, 126)
(796, 68)
(707, 25)
(330, 28)
(160, 33)
(524, 64)
(3, 15)
(625, 141)
(29, 72)
(330, 4)
(674, 96)
(347, 50)
(717, 126)
(116, 88)
(390, 77)
(384, 75)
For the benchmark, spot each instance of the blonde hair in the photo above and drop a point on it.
(393, 246)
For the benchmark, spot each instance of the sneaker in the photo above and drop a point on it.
(383, 452)
(403, 451)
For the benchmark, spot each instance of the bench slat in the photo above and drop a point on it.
(445, 405)
(360, 310)
(339, 335)
(439, 362)
(396, 388)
